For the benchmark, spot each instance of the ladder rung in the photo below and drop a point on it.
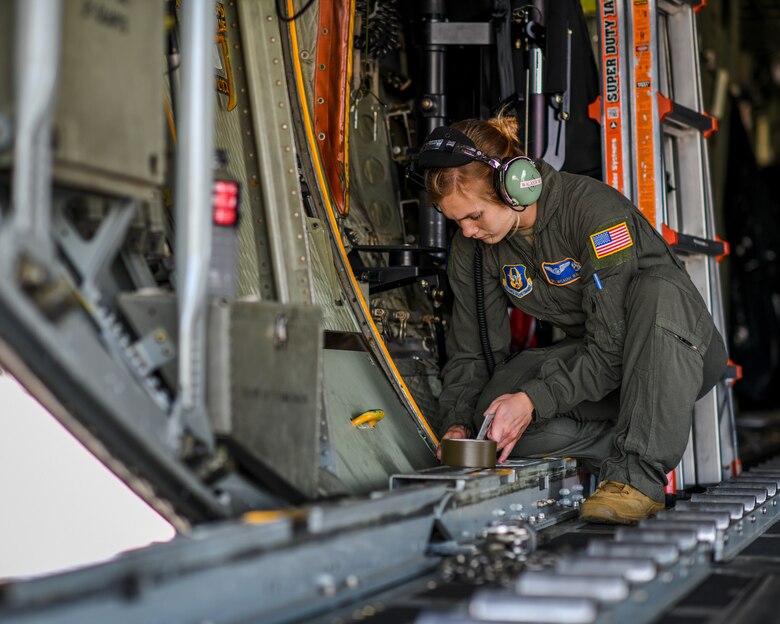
(594, 110)
(671, 483)
(696, 5)
(689, 244)
(733, 372)
(681, 115)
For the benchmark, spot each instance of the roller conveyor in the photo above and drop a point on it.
(376, 560)
(659, 562)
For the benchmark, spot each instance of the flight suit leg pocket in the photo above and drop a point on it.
(663, 413)
(696, 340)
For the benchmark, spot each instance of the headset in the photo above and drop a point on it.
(516, 180)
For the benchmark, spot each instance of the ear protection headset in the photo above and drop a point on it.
(516, 180)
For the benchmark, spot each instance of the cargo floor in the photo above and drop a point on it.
(741, 591)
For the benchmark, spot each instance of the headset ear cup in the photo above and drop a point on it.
(521, 181)
(499, 188)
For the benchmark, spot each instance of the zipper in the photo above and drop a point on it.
(687, 343)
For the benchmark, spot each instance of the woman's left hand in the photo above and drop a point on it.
(513, 414)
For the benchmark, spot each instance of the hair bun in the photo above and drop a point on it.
(508, 126)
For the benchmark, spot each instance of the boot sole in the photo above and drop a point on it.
(596, 518)
(606, 515)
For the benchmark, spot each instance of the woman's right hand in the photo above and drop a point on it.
(456, 432)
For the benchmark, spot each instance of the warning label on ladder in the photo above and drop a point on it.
(612, 122)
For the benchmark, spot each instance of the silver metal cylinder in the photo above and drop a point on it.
(747, 502)
(734, 510)
(633, 570)
(597, 586)
(662, 554)
(469, 453)
(740, 489)
(720, 519)
(37, 66)
(194, 178)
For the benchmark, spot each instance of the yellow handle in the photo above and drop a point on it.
(271, 515)
(368, 419)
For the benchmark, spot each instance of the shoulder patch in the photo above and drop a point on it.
(562, 272)
(611, 244)
(516, 281)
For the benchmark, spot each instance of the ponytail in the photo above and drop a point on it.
(508, 127)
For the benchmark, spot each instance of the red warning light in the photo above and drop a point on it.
(225, 202)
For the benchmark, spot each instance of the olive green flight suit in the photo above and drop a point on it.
(640, 346)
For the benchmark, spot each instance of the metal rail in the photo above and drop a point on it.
(36, 70)
(194, 177)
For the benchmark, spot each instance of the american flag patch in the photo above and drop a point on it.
(610, 241)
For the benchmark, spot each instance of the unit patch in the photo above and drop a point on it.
(563, 272)
(516, 281)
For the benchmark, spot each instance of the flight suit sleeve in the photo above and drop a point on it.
(465, 374)
(606, 232)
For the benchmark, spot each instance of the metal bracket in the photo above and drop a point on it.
(153, 350)
(557, 116)
(90, 258)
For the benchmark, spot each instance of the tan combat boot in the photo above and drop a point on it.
(618, 503)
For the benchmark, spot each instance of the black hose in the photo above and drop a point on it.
(479, 295)
(290, 18)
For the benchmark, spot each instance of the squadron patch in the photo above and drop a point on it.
(611, 244)
(563, 272)
(516, 281)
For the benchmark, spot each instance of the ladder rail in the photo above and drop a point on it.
(648, 185)
(615, 113)
(666, 172)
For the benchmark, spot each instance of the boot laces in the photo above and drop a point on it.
(613, 487)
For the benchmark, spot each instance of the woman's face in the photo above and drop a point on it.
(479, 218)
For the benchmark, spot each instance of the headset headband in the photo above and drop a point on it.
(451, 146)
(516, 180)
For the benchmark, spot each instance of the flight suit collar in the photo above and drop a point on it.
(549, 200)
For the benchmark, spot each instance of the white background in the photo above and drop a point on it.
(59, 506)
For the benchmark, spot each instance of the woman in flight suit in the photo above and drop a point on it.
(640, 346)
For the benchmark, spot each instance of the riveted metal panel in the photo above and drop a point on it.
(269, 380)
(328, 293)
(235, 134)
(306, 26)
(276, 153)
(366, 457)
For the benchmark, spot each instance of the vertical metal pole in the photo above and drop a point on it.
(194, 178)
(433, 225)
(36, 69)
(537, 107)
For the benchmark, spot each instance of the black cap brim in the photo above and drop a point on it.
(437, 149)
